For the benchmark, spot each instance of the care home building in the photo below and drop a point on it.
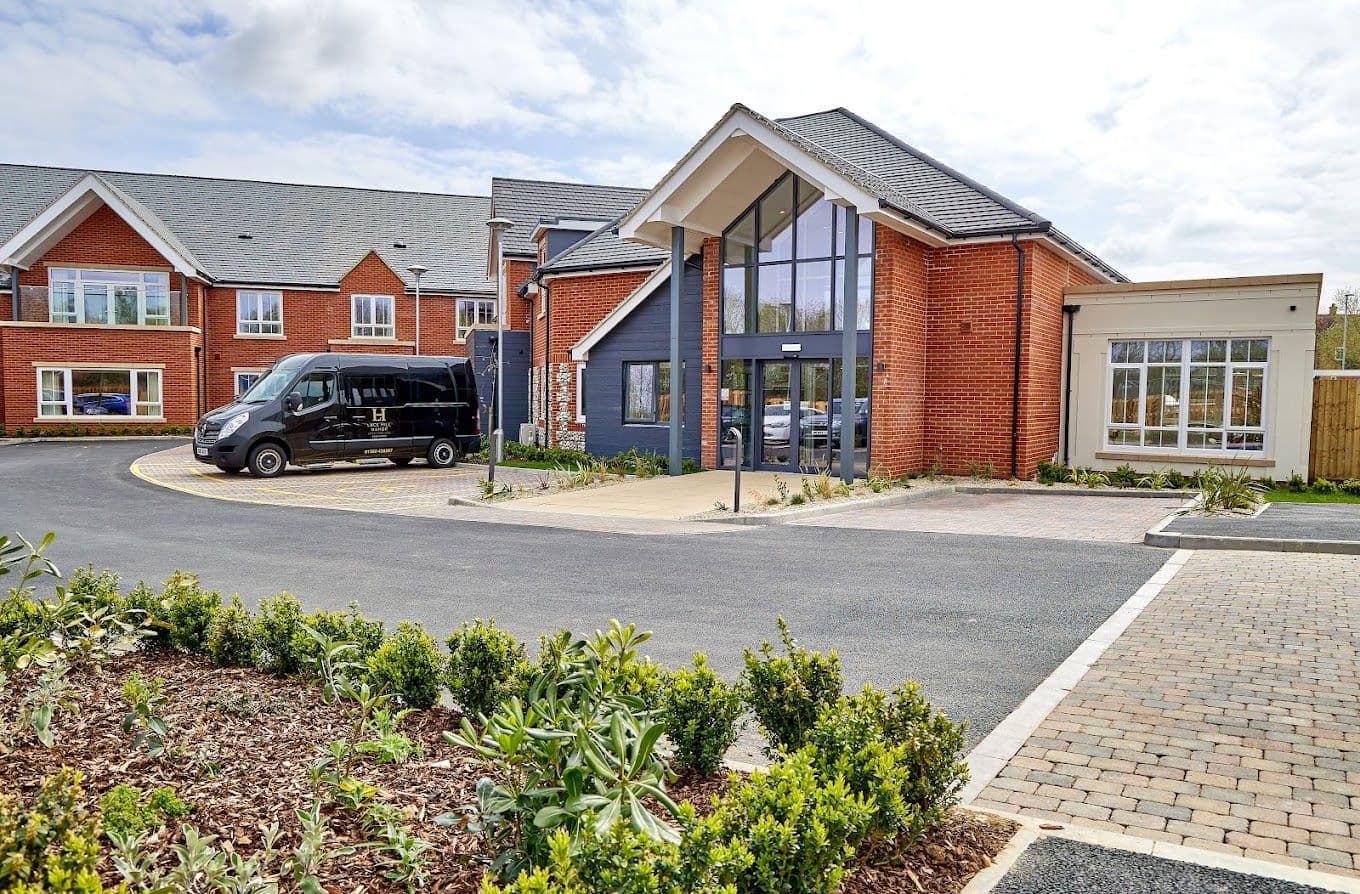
(813, 283)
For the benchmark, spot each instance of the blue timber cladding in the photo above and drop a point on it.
(481, 350)
(561, 240)
(644, 335)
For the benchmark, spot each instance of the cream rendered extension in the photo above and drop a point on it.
(1282, 309)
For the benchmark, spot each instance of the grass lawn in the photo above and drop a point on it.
(1283, 495)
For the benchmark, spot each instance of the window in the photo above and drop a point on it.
(259, 313)
(81, 392)
(580, 392)
(432, 385)
(122, 297)
(316, 389)
(784, 264)
(245, 379)
(373, 316)
(473, 312)
(380, 390)
(1188, 394)
(647, 393)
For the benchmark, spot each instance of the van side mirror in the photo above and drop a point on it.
(293, 401)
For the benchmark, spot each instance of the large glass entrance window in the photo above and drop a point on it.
(789, 415)
(784, 264)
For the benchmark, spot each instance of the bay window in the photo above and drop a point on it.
(784, 264)
(121, 297)
(373, 316)
(77, 392)
(1202, 394)
(473, 312)
(259, 313)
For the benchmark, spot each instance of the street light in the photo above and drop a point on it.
(416, 270)
(498, 226)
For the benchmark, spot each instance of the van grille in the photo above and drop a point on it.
(206, 435)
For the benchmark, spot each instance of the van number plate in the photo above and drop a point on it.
(201, 451)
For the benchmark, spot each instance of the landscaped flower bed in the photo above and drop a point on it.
(219, 749)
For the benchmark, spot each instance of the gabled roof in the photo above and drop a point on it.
(603, 249)
(526, 202)
(299, 234)
(887, 179)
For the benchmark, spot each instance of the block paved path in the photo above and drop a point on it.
(1227, 717)
(1021, 514)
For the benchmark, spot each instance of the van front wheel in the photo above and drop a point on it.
(442, 454)
(267, 461)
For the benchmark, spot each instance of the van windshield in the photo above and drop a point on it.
(271, 384)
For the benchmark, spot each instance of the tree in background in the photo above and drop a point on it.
(1339, 331)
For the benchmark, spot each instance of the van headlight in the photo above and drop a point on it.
(232, 425)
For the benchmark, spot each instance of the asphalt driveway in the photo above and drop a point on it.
(980, 621)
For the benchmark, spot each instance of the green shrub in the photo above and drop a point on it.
(22, 620)
(279, 635)
(899, 753)
(622, 860)
(1351, 486)
(800, 830)
(408, 665)
(1124, 476)
(231, 636)
(154, 612)
(1297, 483)
(1053, 473)
(188, 611)
(700, 711)
(486, 666)
(787, 693)
(126, 811)
(577, 752)
(1323, 486)
(97, 587)
(1175, 478)
(52, 845)
(349, 626)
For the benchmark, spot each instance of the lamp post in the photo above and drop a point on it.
(416, 270)
(498, 226)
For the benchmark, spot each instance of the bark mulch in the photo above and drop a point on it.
(245, 741)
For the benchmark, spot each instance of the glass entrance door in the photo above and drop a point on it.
(814, 399)
(777, 417)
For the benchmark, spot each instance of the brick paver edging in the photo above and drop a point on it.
(991, 755)
(1226, 718)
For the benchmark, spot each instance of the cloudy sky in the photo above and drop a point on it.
(1174, 139)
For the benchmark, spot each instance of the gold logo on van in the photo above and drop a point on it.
(379, 414)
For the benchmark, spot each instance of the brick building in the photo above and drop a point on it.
(147, 299)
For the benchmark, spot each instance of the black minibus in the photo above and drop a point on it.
(321, 408)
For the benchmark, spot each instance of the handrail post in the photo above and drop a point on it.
(736, 477)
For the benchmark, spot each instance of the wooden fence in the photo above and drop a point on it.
(1335, 453)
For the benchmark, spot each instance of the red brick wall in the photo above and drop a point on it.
(103, 239)
(1041, 401)
(708, 350)
(23, 346)
(898, 395)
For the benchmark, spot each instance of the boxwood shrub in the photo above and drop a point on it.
(188, 611)
(409, 666)
(699, 710)
(231, 636)
(486, 666)
(787, 693)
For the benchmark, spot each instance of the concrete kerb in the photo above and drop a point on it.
(991, 755)
(1059, 491)
(1032, 830)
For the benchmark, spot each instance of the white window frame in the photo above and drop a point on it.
(257, 325)
(1186, 364)
(80, 276)
(580, 392)
(372, 330)
(236, 378)
(460, 332)
(136, 402)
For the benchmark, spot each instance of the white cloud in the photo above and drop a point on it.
(1172, 138)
